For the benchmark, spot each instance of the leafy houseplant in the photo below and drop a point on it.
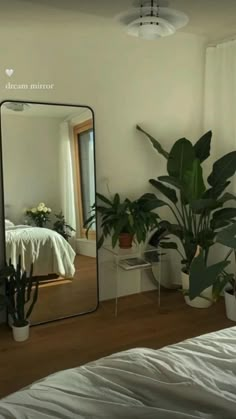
(61, 226)
(197, 208)
(216, 275)
(125, 217)
(39, 215)
(19, 290)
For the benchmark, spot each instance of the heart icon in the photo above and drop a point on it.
(9, 72)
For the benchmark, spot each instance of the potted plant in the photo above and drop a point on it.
(125, 220)
(19, 289)
(61, 226)
(39, 215)
(216, 275)
(197, 208)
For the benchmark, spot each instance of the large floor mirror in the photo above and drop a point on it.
(48, 157)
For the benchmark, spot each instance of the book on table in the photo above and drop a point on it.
(133, 263)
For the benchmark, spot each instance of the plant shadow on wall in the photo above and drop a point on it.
(198, 211)
(125, 220)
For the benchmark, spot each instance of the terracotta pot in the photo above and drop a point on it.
(125, 240)
(203, 301)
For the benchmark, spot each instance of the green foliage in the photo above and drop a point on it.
(61, 226)
(202, 147)
(125, 216)
(20, 290)
(196, 207)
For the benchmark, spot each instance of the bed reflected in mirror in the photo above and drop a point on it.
(49, 188)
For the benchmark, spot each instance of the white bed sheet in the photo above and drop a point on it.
(48, 250)
(190, 380)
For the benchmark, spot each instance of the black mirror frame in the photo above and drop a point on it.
(2, 202)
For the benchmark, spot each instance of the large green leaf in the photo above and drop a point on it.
(193, 180)
(174, 229)
(217, 224)
(227, 237)
(216, 191)
(154, 142)
(171, 181)
(225, 214)
(181, 158)
(202, 276)
(223, 169)
(203, 146)
(227, 197)
(150, 202)
(165, 190)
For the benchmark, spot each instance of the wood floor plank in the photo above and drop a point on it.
(73, 342)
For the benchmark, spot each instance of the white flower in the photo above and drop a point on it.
(42, 205)
(45, 209)
(49, 210)
(34, 210)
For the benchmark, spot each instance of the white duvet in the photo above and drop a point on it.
(48, 250)
(193, 379)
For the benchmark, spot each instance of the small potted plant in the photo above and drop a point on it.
(21, 290)
(124, 220)
(217, 275)
(39, 215)
(61, 226)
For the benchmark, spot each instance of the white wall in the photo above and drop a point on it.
(125, 80)
(30, 164)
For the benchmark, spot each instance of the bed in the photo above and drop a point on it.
(48, 250)
(190, 380)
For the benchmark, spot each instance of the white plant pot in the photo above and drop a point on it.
(197, 302)
(230, 306)
(20, 334)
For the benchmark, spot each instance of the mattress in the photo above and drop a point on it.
(46, 249)
(192, 379)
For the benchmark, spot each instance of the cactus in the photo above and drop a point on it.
(19, 292)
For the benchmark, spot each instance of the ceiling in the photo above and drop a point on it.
(214, 19)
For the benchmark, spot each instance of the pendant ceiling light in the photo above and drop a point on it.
(17, 106)
(152, 20)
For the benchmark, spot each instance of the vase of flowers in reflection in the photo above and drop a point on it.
(40, 215)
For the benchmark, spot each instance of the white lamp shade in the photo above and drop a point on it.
(150, 28)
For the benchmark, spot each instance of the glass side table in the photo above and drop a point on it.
(129, 260)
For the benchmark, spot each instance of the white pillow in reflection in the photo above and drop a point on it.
(8, 224)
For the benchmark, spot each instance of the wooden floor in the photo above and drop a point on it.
(72, 342)
(65, 297)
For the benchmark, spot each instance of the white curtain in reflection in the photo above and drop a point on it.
(66, 176)
(220, 98)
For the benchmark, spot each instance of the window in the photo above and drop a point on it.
(84, 152)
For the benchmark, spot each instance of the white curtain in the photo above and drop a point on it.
(220, 109)
(220, 99)
(66, 176)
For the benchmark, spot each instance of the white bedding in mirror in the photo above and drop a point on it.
(190, 380)
(46, 249)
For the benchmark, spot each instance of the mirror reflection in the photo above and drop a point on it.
(49, 187)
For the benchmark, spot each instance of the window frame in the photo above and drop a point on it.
(77, 131)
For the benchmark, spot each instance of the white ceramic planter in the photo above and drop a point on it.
(230, 306)
(197, 302)
(20, 334)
